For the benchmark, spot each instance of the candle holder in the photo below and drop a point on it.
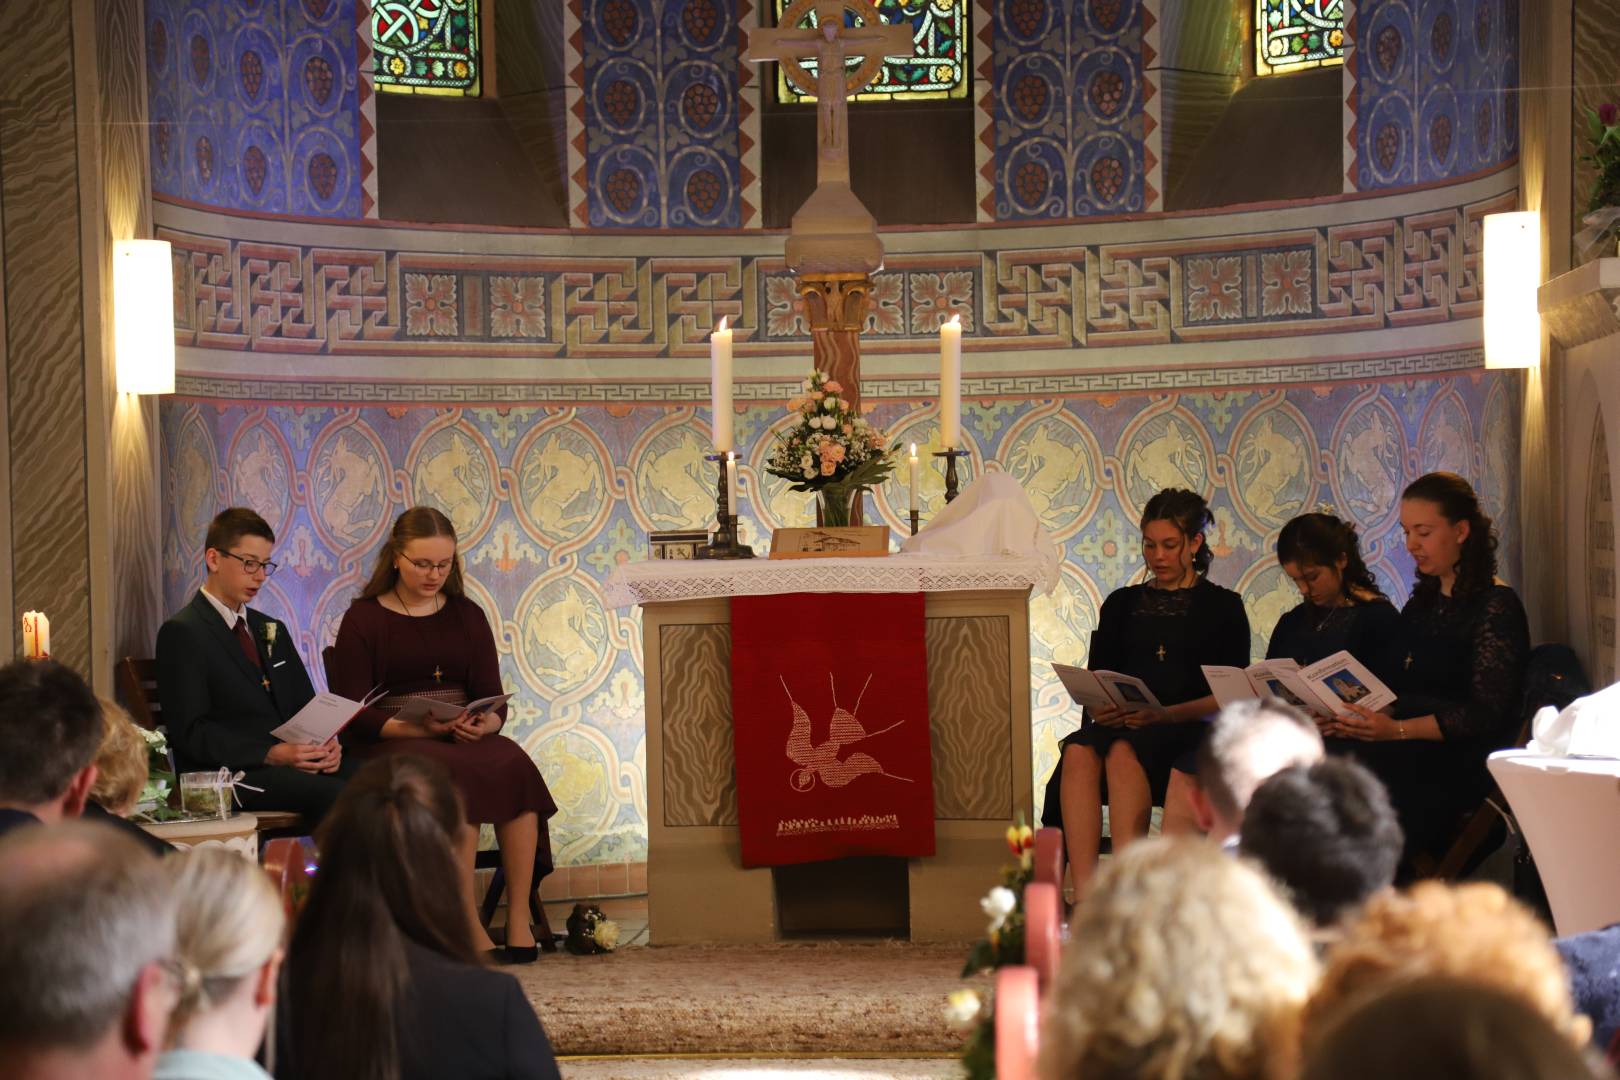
(950, 457)
(915, 515)
(723, 544)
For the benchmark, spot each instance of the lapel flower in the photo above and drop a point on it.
(270, 637)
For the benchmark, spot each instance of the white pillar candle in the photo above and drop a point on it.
(36, 634)
(720, 392)
(914, 499)
(731, 482)
(950, 382)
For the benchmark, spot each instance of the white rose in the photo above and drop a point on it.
(806, 461)
(607, 935)
(962, 1007)
(809, 474)
(998, 903)
(807, 386)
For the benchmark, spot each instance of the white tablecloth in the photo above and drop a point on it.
(657, 581)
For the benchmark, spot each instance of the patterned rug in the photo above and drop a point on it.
(835, 1068)
(750, 1001)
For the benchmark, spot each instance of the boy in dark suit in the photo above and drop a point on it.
(228, 675)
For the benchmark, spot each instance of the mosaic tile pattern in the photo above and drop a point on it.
(548, 499)
(257, 106)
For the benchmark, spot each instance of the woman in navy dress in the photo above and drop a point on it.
(1464, 643)
(1162, 631)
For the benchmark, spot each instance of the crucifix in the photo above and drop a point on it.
(833, 246)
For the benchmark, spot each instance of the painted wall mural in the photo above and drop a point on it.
(1074, 111)
(1433, 87)
(548, 499)
(259, 106)
(659, 112)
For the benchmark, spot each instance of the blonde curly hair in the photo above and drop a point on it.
(1184, 963)
(1475, 932)
(121, 768)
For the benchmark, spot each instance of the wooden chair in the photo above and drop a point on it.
(137, 683)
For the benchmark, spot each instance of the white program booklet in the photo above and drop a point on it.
(420, 708)
(1106, 689)
(324, 716)
(1323, 688)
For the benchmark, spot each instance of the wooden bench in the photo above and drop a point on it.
(137, 683)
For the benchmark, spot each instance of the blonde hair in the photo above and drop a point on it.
(229, 924)
(1184, 962)
(1475, 932)
(121, 769)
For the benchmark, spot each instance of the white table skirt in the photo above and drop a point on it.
(658, 581)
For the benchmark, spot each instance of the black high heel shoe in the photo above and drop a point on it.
(510, 955)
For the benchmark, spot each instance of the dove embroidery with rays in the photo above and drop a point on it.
(821, 759)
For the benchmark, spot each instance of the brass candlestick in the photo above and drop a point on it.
(914, 516)
(950, 457)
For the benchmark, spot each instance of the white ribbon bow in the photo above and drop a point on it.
(225, 780)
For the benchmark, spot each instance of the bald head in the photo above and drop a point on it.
(86, 917)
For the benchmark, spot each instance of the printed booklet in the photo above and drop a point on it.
(324, 716)
(1106, 689)
(1324, 688)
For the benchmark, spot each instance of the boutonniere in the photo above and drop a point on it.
(269, 638)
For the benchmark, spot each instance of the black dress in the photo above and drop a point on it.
(1163, 637)
(1463, 662)
(1368, 630)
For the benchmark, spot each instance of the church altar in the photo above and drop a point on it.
(976, 614)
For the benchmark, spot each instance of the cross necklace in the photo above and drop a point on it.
(438, 672)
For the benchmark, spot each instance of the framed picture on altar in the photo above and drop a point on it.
(826, 543)
(677, 543)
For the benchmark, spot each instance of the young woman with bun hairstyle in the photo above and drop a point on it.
(1162, 631)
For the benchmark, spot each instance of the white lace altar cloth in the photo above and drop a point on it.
(658, 581)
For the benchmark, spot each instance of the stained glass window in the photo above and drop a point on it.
(426, 46)
(1291, 35)
(938, 68)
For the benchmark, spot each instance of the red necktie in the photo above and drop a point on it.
(245, 639)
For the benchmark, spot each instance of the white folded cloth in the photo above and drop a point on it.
(1587, 727)
(991, 516)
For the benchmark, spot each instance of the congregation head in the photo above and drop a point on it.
(1174, 524)
(419, 557)
(1474, 931)
(237, 555)
(1321, 554)
(1248, 742)
(50, 730)
(1448, 533)
(1182, 962)
(1327, 833)
(121, 760)
(86, 940)
(1443, 1026)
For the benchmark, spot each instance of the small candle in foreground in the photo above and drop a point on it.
(36, 633)
(731, 482)
(914, 499)
(950, 382)
(720, 390)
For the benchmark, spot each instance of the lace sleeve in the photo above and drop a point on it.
(1499, 648)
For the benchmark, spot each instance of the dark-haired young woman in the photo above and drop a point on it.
(382, 981)
(1342, 608)
(414, 631)
(1162, 631)
(1464, 643)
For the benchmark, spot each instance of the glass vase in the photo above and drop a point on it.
(833, 506)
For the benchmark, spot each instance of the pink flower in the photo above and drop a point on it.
(796, 404)
(816, 395)
(837, 388)
(828, 468)
(1608, 112)
(849, 429)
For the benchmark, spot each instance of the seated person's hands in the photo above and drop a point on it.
(433, 727)
(1360, 722)
(307, 757)
(1110, 717)
(470, 727)
(1126, 718)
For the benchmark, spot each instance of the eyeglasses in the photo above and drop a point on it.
(252, 565)
(427, 567)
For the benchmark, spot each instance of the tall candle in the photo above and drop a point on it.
(720, 394)
(950, 382)
(914, 501)
(731, 482)
(36, 632)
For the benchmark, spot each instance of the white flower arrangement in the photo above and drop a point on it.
(832, 448)
(997, 904)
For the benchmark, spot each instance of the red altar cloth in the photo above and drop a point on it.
(829, 695)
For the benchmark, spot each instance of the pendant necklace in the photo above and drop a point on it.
(438, 672)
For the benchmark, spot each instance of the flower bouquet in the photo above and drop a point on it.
(1603, 154)
(831, 451)
(1002, 945)
(590, 931)
(161, 787)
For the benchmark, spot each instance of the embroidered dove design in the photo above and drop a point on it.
(821, 759)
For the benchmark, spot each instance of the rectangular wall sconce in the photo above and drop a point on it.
(1512, 275)
(143, 316)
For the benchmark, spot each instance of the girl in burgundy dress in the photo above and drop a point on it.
(413, 631)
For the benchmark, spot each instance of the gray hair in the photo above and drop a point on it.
(1249, 742)
(83, 910)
